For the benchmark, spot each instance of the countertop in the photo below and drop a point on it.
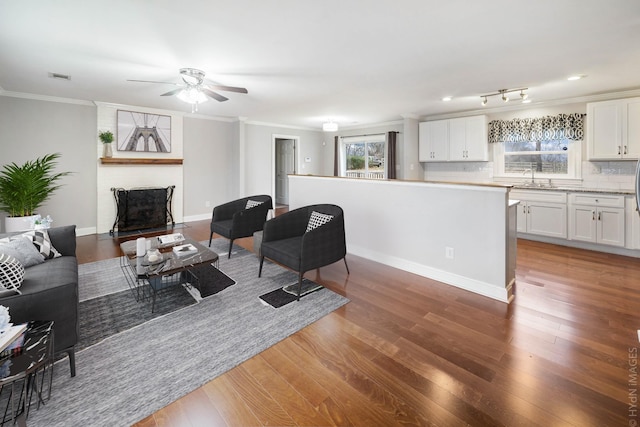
(577, 190)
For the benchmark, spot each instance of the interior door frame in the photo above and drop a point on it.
(296, 159)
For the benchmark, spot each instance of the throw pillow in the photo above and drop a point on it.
(11, 273)
(317, 219)
(40, 239)
(23, 251)
(252, 203)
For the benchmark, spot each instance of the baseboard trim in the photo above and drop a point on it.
(472, 285)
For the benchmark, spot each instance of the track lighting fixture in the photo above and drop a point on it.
(503, 94)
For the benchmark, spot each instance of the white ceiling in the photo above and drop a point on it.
(304, 61)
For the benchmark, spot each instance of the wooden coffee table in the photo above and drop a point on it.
(146, 280)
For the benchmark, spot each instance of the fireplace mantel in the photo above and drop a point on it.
(139, 161)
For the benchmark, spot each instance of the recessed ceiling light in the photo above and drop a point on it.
(447, 98)
(576, 77)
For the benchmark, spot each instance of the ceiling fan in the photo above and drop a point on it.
(194, 90)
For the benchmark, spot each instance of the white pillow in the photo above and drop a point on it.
(252, 203)
(41, 241)
(11, 273)
(22, 250)
(317, 219)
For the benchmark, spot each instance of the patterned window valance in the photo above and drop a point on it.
(548, 128)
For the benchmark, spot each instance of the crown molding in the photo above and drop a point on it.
(373, 125)
(278, 125)
(33, 96)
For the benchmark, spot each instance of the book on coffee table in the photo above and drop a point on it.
(171, 238)
(184, 250)
(9, 334)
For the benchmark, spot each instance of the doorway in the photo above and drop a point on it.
(286, 161)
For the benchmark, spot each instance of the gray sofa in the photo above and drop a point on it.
(50, 292)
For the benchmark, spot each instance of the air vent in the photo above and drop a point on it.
(59, 76)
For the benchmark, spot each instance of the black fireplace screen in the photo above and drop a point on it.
(142, 208)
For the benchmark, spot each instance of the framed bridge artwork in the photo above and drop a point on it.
(143, 132)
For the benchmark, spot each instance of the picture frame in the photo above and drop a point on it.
(143, 132)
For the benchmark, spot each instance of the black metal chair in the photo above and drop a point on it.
(288, 240)
(240, 218)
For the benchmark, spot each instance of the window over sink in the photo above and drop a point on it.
(527, 160)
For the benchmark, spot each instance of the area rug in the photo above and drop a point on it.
(132, 374)
(106, 310)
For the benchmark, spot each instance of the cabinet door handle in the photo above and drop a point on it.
(599, 218)
(625, 149)
(528, 209)
(618, 149)
(593, 215)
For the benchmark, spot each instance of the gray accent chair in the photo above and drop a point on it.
(233, 220)
(286, 241)
(50, 292)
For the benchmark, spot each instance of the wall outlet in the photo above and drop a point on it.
(207, 204)
(448, 252)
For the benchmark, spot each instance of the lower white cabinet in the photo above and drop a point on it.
(597, 218)
(542, 212)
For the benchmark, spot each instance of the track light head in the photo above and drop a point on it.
(503, 94)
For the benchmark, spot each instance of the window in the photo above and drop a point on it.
(363, 156)
(556, 159)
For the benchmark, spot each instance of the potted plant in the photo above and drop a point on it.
(106, 136)
(23, 189)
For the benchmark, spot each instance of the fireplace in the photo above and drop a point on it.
(142, 208)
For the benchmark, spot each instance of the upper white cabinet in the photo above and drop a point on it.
(613, 129)
(457, 140)
(468, 139)
(433, 140)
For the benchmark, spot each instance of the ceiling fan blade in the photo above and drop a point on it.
(228, 88)
(172, 92)
(214, 95)
(149, 81)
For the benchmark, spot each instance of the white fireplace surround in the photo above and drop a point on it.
(136, 176)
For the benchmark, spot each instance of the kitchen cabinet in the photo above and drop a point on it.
(613, 129)
(458, 140)
(597, 218)
(468, 139)
(433, 140)
(541, 213)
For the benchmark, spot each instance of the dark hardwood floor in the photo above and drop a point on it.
(408, 350)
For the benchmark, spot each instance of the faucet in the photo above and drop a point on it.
(532, 170)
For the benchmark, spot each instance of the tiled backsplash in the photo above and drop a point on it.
(616, 175)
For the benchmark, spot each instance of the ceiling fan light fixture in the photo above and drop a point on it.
(192, 95)
(330, 126)
(484, 101)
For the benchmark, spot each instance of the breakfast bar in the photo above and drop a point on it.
(462, 234)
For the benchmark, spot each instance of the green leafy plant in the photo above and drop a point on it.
(106, 136)
(23, 189)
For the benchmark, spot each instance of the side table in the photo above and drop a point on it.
(27, 371)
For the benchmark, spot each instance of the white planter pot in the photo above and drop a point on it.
(18, 223)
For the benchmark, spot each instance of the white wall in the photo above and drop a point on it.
(409, 224)
(31, 128)
(258, 161)
(210, 149)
